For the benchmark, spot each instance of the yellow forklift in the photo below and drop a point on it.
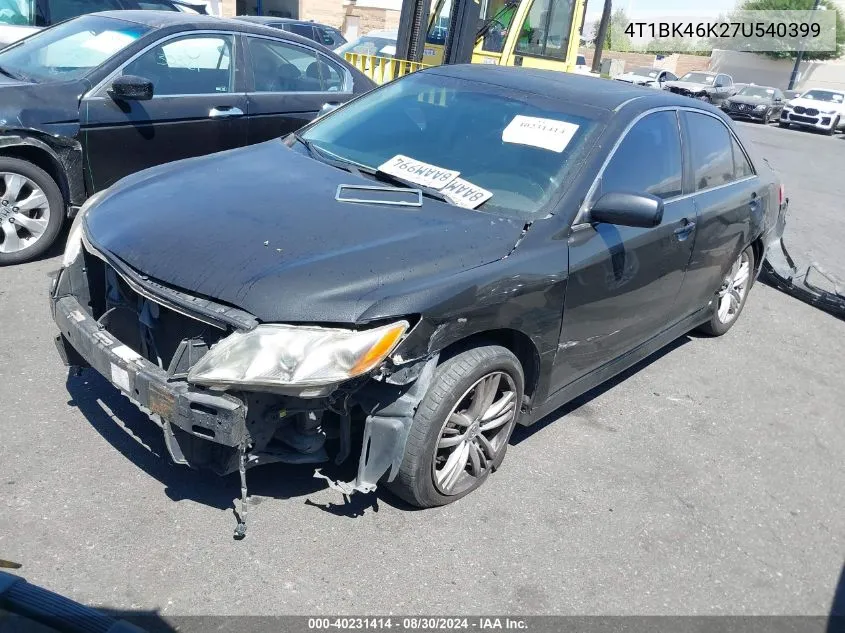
(531, 33)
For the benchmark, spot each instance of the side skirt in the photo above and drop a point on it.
(616, 366)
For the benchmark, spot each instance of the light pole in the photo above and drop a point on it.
(600, 35)
(800, 56)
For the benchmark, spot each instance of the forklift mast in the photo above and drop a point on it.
(464, 19)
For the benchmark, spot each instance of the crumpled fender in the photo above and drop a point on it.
(64, 152)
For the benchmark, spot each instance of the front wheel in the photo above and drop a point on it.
(833, 127)
(732, 294)
(461, 429)
(782, 124)
(31, 211)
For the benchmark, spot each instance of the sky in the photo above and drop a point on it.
(634, 8)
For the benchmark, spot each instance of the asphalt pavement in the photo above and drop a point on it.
(709, 480)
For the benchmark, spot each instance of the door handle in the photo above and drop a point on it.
(684, 231)
(224, 112)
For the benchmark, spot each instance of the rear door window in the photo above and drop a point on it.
(711, 145)
(282, 67)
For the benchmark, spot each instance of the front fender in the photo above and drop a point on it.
(61, 153)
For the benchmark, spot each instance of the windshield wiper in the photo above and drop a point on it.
(329, 158)
(397, 180)
(11, 75)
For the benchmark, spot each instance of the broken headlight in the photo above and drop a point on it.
(74, 237)
(277, 355)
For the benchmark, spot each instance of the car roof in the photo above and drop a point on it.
(177, 19)
(605, 94)
(269, 19)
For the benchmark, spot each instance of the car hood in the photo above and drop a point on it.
(259, 228)
(51, 107)
(751, 100)
(636, 79)
(686, 85)
(818, 105)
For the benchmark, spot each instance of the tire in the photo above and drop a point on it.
(23, 183)
(723, 320)
(782, 124)
(833, 127)
(457, 382)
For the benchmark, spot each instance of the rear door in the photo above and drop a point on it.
(727, 193)
(624, 281)
(290, 83)
(198, 108)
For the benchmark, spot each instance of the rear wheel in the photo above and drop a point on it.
(31, 211)
(731, 297)
(461, 429)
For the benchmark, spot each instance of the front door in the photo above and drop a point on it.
(291, 84)
(197, 108)
(623, 281)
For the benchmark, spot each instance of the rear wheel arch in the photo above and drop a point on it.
(518, 343)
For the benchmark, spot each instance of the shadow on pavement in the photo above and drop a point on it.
(522, 433)
(836, 620)
(139, 439)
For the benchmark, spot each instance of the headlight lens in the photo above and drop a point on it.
(761, 107)
(828, 111)
(74, 238)
(276, 355)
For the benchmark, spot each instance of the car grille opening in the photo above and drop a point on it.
(803, 119)
(163, 336)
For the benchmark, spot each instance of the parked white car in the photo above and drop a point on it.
(644, 76)
(816, 109)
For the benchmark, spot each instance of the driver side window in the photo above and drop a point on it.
(648, 160)
(188, 65)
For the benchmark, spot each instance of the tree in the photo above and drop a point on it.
(801, 5)
(616, 38)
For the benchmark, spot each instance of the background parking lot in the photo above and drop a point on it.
(708, 480)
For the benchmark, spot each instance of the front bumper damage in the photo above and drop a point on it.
(229, 432)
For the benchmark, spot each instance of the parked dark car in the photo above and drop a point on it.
(326, 35)
(757, 103)
(710, 87)
(86, 102)
(356, 279)
(19, 18)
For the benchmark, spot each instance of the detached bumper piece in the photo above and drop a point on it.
(780, 271)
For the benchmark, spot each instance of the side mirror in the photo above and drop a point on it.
(328, 107)
(628, 209)
(131, 88)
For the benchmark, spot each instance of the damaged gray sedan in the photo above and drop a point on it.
(459, 251)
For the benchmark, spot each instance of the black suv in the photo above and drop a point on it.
(326, 35)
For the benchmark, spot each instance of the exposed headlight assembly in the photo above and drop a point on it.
(761, 107)
(74, 238)
(292, 355)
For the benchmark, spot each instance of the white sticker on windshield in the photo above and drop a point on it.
(418, 172)
(547, 134)
(465, 194)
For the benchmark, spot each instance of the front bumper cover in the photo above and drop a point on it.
(220, 418)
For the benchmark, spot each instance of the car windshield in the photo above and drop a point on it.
(823, 95)
(520, 147)
(699, 78)
(757, 91)
(645, 72)
(379, 45)
(70, 49)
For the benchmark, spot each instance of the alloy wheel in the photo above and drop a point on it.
(474, 432)
(24, 212)
(734, 288)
